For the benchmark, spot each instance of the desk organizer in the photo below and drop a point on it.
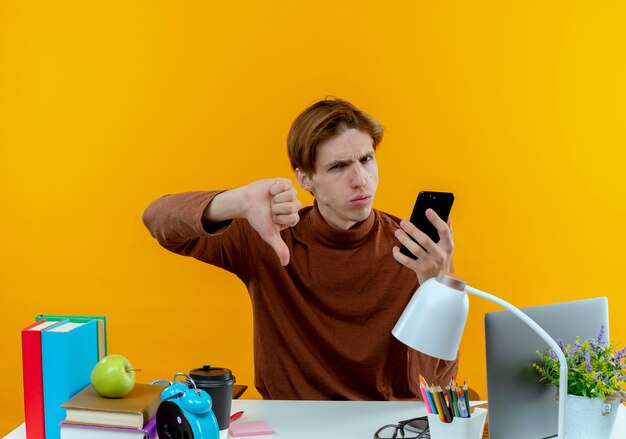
(459, 428)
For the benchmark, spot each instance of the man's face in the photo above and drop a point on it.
(345, 178)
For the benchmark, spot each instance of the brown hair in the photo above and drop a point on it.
(322, 121)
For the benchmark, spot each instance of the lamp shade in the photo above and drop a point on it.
(434, 320)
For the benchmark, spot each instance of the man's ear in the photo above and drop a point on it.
(303, 180)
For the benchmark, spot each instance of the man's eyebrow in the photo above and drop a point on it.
(339, 162)
(350, 160)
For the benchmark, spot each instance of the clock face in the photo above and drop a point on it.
(172, 422)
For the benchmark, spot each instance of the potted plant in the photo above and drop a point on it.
(595, 384)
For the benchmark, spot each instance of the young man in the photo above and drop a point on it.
(327, 282)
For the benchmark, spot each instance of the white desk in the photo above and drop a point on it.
(334, 419)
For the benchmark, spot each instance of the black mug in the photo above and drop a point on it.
(218, 383)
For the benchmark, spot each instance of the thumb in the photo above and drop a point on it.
(280, 185)
(279, 246)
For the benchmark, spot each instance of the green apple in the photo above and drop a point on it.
(113, 376)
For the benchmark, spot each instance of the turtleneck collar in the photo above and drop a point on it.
(333, 237)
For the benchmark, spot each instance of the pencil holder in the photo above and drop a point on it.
(459, 428)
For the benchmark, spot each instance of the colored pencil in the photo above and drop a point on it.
(425, 398)
(429, 394)
(455, 401)
(450, 402)
(444, 406)
(436, 395)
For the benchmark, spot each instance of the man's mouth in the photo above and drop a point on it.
(361, 199)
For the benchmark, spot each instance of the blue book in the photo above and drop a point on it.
(102, 327)
(69, 351)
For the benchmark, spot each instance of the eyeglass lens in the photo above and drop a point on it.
(416, 426)
(410, 429)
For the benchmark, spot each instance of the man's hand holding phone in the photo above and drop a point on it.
(427, 255)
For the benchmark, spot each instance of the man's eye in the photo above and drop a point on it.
(335, 167)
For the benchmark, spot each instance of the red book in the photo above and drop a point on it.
(33, 379)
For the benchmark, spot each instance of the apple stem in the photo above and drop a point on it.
(132, 370)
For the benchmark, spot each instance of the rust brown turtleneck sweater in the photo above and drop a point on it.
(322, 324)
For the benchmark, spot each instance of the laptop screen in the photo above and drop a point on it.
(521, 407)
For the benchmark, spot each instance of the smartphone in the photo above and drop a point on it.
(441, 203)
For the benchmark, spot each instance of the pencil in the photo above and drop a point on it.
(236, 416)
(455, 402)
(424, 389)
(444, 406)
(429, 394)
(442, 418)
(450, 402)
(425, 398)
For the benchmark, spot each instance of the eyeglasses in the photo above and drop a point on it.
(416, 427)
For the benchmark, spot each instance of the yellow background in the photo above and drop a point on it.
(518, 108)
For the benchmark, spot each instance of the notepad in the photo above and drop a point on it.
(250, 428)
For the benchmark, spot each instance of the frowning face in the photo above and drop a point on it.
(345, 178)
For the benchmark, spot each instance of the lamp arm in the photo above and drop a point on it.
(546, 337)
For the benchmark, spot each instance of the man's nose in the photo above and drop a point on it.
(359, 176)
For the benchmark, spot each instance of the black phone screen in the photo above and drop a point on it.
(441, 203)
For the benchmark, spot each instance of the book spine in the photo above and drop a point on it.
(82, 431)
(33, 384)
(67, 361)
(150, 429)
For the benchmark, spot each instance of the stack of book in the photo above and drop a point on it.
(58, 354)
(133, 416)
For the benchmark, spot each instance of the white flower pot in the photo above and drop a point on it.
(587, 418)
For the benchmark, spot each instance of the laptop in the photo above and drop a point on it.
(521, 407)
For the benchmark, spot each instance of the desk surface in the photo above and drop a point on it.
(333, 419)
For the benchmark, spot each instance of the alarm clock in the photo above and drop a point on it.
(185, 412)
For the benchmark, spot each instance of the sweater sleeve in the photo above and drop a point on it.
(434, 370)
(175, 221)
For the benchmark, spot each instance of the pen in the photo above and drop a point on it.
(467, 401)
(236, 416)
(462, 408)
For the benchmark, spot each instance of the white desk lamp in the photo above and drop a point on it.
(434, 320)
